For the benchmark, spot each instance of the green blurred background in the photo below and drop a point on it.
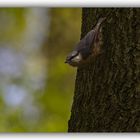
(36, 86)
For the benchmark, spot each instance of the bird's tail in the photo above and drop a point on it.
(98, 25)
(97, 32)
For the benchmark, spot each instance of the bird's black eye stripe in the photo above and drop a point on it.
(72, 55)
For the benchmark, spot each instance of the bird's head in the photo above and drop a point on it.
(74, 58)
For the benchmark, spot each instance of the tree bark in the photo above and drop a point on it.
(107, 91)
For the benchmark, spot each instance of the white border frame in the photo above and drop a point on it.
(70, 136)
(70, 3)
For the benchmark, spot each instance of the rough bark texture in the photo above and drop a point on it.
(107, 91)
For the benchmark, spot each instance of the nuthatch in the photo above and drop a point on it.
(87, 47)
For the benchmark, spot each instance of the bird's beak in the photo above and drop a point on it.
(66, 61)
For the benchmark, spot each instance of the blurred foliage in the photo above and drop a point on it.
(53, 102)
(64, 30)
(12, 24)
(64, 33)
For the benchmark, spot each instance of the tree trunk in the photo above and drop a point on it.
(107, 91)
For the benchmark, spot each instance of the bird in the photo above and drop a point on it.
(87, 47)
